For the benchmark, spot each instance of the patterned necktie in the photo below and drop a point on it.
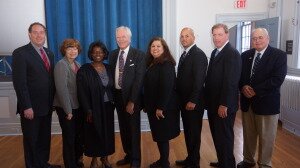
(215, 55)
(181, 59)
(121, 68)
(256, 62)
(45, 60)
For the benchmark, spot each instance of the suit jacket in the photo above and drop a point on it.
(269, 75)
(159, 93)
(33, 84)
(65, 84)
(191, 77)
(223, 74)
(134, 71)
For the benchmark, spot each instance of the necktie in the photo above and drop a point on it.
(256, 62)
(181, 59)
(45, 60)
(121, 68)
(214, 56)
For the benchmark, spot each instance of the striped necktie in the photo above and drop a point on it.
(255, 65)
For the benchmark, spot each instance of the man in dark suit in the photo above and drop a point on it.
(128, 66)
(34, 85)
(264, 70)
(190, 79)
(221, 95)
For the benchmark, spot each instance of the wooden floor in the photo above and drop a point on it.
(286, 154)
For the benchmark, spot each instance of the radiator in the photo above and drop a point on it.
(290, 104)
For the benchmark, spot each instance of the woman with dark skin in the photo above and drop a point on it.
(95, 83)
(160, 98)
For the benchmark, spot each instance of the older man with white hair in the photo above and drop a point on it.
(263, 72)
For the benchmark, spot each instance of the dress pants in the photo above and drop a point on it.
(223, 137)
(72, 136)
(130, 130)
(192, 124)
(263, 127)
(36, 140)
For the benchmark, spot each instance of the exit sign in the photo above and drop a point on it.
(240, 4)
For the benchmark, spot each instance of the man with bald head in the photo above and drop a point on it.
(263, 72)
(190, 79)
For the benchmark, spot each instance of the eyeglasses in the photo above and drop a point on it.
(257, 38)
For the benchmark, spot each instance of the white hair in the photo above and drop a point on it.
(127, 29)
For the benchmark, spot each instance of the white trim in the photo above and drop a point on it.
(239, 17)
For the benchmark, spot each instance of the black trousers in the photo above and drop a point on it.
(72, 135)
(192, 124)
(223, 137)
(163, 147)
(36, 140)
(130, 130)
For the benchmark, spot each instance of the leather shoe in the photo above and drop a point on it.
(54, 166)
(214, 164)
(181, 162)
(123, 162)
(244, 164)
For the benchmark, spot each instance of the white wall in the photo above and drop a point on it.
(201, 16)
(15, 18)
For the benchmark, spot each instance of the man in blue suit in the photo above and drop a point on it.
(263, 72)
(221, 95)
(34, 85)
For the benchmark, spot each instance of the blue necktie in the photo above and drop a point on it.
(256, 62)
(121, 68)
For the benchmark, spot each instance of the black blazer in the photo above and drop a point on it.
(191, 77)
(33, 84)
(269, 76)
(134, 71)
(223, 74)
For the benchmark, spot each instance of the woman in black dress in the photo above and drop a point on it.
(94, 83)
(160, 98)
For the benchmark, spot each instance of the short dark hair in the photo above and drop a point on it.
(36, 23)
(166, 55)
(69, 43)
(220, 25)
(100, 45)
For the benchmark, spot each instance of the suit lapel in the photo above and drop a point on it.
(37, 57)
(249, 61)
(263, 60)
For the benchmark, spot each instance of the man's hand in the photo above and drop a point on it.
(130, 107)
(222, 111)
(159, 114)
(248, 91)
(190, 106)
(28, 114)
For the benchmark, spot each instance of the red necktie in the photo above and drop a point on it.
(45, 60)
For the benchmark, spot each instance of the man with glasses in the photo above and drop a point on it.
(263, 72)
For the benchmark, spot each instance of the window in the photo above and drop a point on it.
(246, 33)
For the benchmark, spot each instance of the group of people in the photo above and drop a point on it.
(85, 97)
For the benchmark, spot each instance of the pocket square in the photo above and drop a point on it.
(131, 65)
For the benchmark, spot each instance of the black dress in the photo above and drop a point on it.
(99, 137)
(159, 93)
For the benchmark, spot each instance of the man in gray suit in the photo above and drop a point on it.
(128, 66)
(32, 70)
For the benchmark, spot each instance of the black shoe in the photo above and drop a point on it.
(181, 162)
(54, 166)
(214, 164)
(123, 162)
(244, 164)
(155, 164)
